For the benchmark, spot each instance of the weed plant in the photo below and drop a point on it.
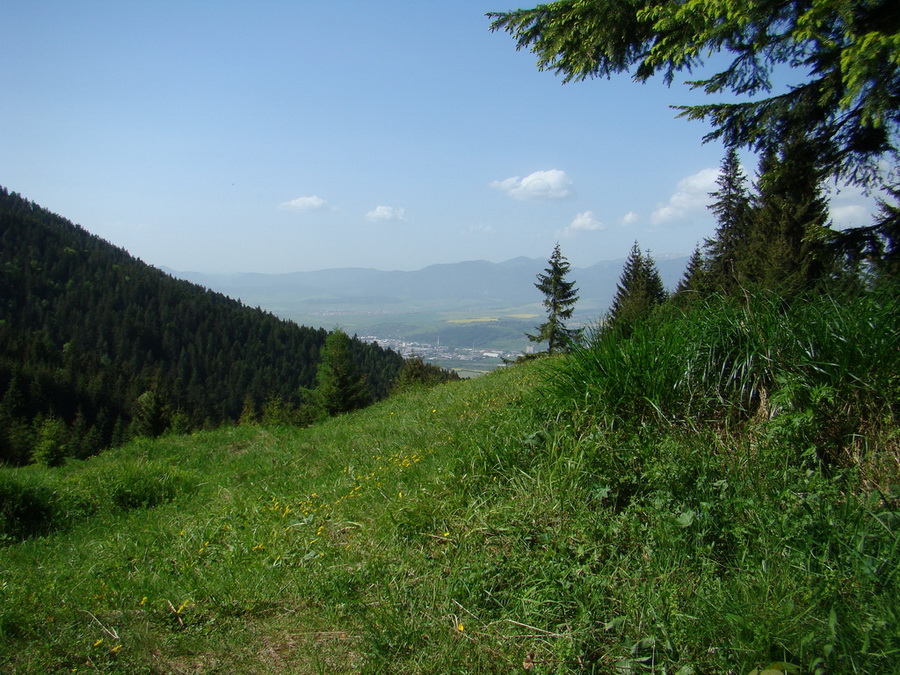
(667, 504)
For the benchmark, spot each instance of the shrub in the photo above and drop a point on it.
(416, 373)
(28, 507)
(52, 442)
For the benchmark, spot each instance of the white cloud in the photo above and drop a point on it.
(583, 222)
(850, 215)
(383, 213)
(303, 204)
(851, 206)
(540, 185)
(629, 218)
(691, 195)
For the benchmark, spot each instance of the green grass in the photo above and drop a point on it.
(537, 519)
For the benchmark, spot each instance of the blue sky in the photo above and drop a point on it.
(224, 136)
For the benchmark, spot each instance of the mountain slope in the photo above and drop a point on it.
(109, 346)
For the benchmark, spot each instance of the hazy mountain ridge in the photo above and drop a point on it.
(469, 285)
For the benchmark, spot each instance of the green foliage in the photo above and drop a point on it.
(727, 261)
(417, 373)
(785, 249)
(35, 501)
(823, 367)
(776, 238)
(694, 282)
(141, 484)
(51, 448)
(16, 430)
(340, 385)
(872, 253)
(639, 291)
(279, 412)
(846, 55)
(560, 296)
(150, 417)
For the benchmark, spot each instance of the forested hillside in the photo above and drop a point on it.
(97, 346)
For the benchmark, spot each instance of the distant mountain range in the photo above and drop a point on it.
(472, 286)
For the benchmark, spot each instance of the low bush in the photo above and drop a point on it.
(28, 506)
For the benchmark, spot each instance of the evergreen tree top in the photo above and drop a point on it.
(560, 296)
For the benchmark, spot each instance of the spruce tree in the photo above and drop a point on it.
(639, 291)
(560, 296)
(656, 290)
(726, 252)
(52, 444)
(340, 386)
(785, 248)
(694, 282)
(149, 416)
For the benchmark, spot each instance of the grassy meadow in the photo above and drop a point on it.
(717, 494)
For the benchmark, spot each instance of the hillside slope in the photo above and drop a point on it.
(556, 516)
(86, 330)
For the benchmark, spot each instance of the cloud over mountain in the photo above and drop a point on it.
(629, 218)
(583, 222)
(311, 203)
(537, 186)
(691, 195)
(385, 213)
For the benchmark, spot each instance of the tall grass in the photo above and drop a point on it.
(826, 367)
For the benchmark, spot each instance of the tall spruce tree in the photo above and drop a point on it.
(560, 296)
(726, 252)
(694, 282)
(785, 248)
(639, 291)
(340, 386)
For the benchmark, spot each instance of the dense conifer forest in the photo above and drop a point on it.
(97, 346)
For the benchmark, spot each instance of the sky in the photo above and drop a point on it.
(272, 136)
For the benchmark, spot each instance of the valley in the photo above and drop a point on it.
(467, 316)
